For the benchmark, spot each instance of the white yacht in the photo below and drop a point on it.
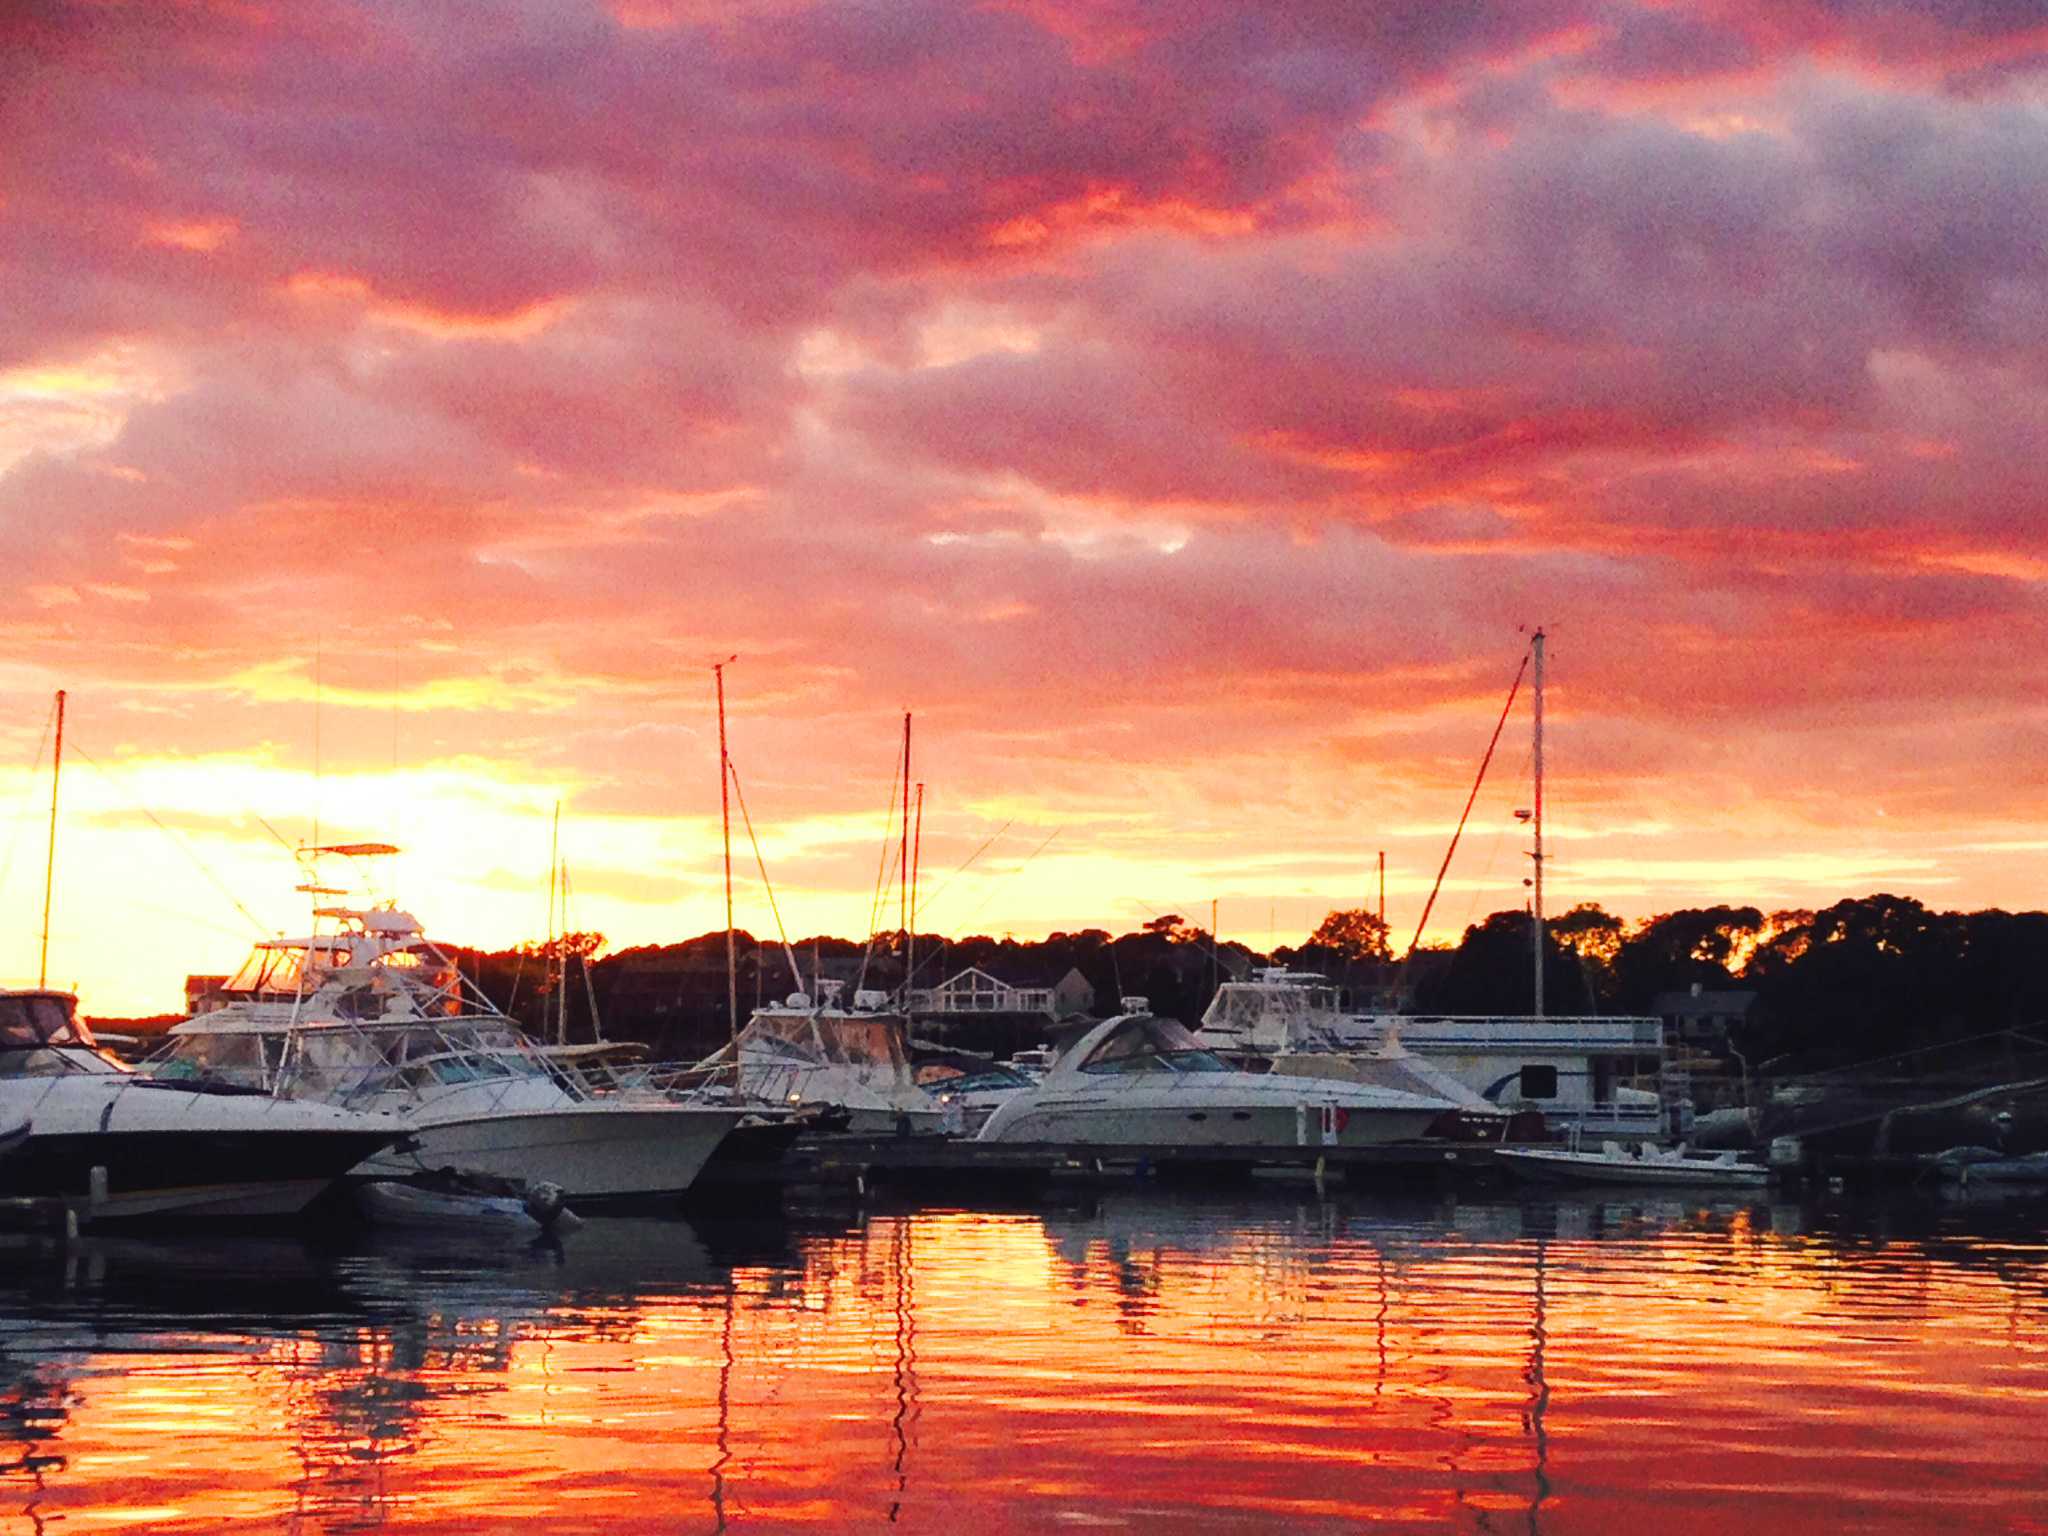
(124, 1146)
(371, 1015)
(1604, 1075)
(804, 1055)
(1140, 1080)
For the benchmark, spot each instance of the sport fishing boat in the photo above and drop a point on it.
(1140, 1080)
(369, 1014)
(125, 1146)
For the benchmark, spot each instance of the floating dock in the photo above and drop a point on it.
(912, 1163)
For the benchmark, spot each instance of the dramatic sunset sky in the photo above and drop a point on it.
(1181, 407)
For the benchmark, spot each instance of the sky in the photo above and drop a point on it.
(1185, 409)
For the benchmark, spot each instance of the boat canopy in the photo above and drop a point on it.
(838, 1039)
(1278, 1011)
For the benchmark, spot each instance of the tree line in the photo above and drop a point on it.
(1863, 978)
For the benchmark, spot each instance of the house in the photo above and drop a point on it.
(975, 991)
(1698, 1022)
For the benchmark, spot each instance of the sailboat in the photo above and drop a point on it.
(119, 1145)
(1579, 1073)
(848, 1065)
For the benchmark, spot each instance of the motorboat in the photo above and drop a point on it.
(371, 1015)
(1636, 1164)
(1599, 1075)
(968, 1087)
(122, 1146)
(1141, 1080)
(800, 1054)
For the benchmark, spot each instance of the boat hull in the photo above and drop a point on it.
(194, 1173)
(597, 1151)
(1171, 1121)
(1553, 1166)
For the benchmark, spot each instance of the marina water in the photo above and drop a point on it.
(1121, 1360)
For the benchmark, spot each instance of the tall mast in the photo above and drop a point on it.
(732, 972)
(1536, 886)
(50, 866)
(562, 965)
(916, 858)
(560, 972)
(903, 862)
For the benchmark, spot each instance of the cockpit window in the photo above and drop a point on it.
(30, 1022)
(1150, 1045)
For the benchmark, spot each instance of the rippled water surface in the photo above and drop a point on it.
(1126, 1361)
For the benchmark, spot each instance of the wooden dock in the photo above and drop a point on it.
(906, 1164)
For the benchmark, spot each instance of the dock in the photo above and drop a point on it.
(910, 1164)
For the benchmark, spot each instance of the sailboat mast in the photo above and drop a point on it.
(903, 860)
(50, 865)
(1536, 883)
(732, 970)
(557, 974)
(916, 858)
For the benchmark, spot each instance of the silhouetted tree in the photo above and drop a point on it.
(1672, 951)
(1352, 934)
(1491, 972)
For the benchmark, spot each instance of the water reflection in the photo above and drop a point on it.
(1126, 1361)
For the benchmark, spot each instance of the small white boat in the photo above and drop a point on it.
(1139, 1080)
(1677, 1167)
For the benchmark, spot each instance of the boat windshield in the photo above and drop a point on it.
(1150, 1045)
(36, 1020)
(247, 1060)
(942, 1079)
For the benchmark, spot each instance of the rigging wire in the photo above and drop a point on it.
(183, 847)
(1499, 726)
(21, 815)
(882, 868)
(984, 848)
(991, 896)
(1493, 848)
(796, 978)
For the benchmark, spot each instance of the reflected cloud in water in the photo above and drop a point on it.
(1242, 1361)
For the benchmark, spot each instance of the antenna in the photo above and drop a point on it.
(50, 866)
